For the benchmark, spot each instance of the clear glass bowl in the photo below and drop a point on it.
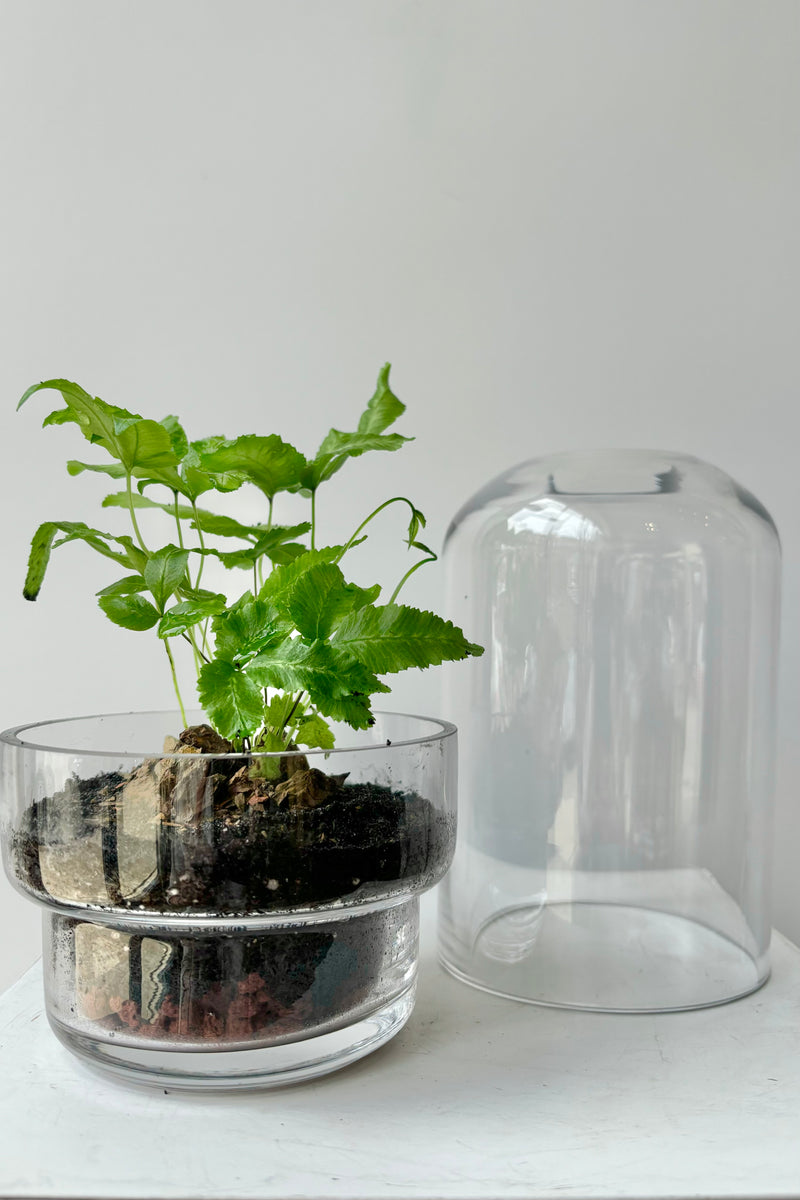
(223, 920)
(616, 737)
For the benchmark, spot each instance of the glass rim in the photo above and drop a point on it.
(440, 732)
(627, 451)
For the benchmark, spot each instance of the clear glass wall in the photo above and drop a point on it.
(616, 756)
(223, 920)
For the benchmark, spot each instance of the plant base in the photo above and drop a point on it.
(261, 1067)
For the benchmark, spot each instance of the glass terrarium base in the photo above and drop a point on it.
(233, 1070)
(606, 958)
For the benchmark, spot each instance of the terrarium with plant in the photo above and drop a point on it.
(242, 876)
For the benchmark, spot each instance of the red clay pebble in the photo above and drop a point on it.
(128, 1012)
(243, 1006)
(251, 983)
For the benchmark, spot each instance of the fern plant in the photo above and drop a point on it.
(300, 647)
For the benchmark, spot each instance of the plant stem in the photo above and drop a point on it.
(259, 564)
(202, 546)
(289, 716)
(132, 511)
(408, 574)
(204, 627)
(313, 516)
(178, 522)
(186, 637)
(374, 513)
(189, 637)
(175, 682)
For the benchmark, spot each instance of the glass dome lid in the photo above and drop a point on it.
(617, 736)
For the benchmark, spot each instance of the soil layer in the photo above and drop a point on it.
(219, 839)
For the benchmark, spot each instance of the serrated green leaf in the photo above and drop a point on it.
(246, 628)
(128, 586)
(233, 702)
(61, 416)
(271, 543)
(46, 538)
(145, 449)
(209, 522)
(277, 536)
(264, 765)
(282, 578)
(244, 557)
(164, 573)
(382, 411)
(131, 612)
(352, 678)
(337, 447)
(199, 594)
(271, 743)
(196, 482)
(314, 733)
(177, 436)
(329, 677)
(188, 613)
(38, 558)
(269, 463)
(281, 706)
(384, 408)
(395, 637)
(295, 666)
(120, 500)
(222, 526)
(266, 762)
(135, 557)
(197, 478)
(321, 597)
(354, 710)
(100, 423)
(287, 552)
(115, 470)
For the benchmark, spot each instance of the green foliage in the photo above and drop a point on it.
(131, 612)
(164, 573)
(303, 645)
(268, 462)
(231, 699)
(188, 613)
(313, 732)
(394, 637)
(47, 537)
(247, 627)
(321, 597)
(124, 587)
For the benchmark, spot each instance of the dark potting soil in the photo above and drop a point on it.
(281, 857)
(228, 842)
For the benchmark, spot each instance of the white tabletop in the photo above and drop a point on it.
(476, 1097)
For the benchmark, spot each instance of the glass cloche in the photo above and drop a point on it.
(616, 759)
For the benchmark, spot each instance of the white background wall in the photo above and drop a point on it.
(566, 224)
